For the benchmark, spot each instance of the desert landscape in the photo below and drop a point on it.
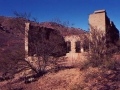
(59, 45)
(54, 67)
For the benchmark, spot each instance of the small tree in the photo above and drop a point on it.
(101, 55)
(44, 43)
(25, 15)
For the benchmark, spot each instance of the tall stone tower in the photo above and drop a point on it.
(99, 21)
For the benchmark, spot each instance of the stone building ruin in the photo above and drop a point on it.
(100, 22)
(75, 44)
(42, 41)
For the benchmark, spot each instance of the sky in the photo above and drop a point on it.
(73, 11)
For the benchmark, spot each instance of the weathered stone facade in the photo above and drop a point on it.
(41, 43)
(100, 21)
(76, 44)
(73, 39)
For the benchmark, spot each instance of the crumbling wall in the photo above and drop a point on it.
(97, 20)
(42, 40)
(100, 22)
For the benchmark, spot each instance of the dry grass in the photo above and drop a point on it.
(61, 80)
(70, 79)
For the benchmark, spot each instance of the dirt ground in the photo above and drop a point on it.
(68, 78)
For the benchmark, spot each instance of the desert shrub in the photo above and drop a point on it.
(101, 50)
(99, 79)
(102, 56)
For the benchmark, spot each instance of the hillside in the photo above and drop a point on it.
(63, 30)
(12, 33)
(12, 38)
(12, 41)
(12, 29)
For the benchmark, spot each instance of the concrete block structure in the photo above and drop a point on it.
(100, 22)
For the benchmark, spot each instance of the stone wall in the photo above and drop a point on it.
(100, 22)
(97, 20)
(42, 41)
(73, 39)
(77, 47)
(76, 43)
